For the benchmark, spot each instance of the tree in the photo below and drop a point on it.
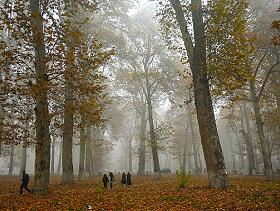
(42, 150)
(205, 50)
(205, 114)
(143, 56)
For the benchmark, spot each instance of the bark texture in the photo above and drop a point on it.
(206, 119)
(42, 148)
(265, 148)
(142, 150)
(82, 151)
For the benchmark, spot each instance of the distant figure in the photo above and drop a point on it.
(105, 180)
(25, 179)
(123, 179)
(128, 179)
(112, 179)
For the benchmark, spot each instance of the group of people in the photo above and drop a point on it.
(126, 180)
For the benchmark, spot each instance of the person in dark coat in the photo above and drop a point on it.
(25, 179)
(128, 179)
(112, 179)
(123, 179)
(105, 180)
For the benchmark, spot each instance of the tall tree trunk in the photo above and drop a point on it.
(59, 163)
(23, 160)
(1, 109)
(186, 145)
(89, 156)
(87, 164)
(205, 115)
(248, 141)
(189, 158)
(233, 156)
(42, 148)
(193, 142)
(67, 164)
(199, 158)
(53, 155)
(265, 148)
(250, 151)
(82, 151)
(152, 137)
(241, 158)
(130, 154)
(11, 164)
(142, 149)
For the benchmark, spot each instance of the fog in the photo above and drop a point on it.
(137, 102)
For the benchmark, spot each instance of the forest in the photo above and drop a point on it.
(89, 87)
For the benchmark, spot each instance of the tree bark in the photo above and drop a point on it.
(186, 145)
(213, 154)
(233, 156)
(42, 148)
(89, 157)
(23, 160)
(248, 141)
(59, 163)
(82, 151)
(142, 149)
(197, 171)
(152, 136)
(130, 154)
(250, 151)
(11, 164)
(53, 155)
(265, 148)
(67, 164)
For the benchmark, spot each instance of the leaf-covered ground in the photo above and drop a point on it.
(246, 193)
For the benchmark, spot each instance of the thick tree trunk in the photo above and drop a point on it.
(265, 148)
(197, 171)
(42, 148)
(82, 151)
(1, 111)
(67, 164)
(142, 149)
(206, 119)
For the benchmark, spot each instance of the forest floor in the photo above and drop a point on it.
(246, 193)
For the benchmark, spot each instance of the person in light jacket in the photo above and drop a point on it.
(112, 179)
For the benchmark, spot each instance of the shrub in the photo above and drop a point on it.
(182, 178)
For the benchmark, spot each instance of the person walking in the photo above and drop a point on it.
(105, 180)
(128, 183)
(112, 179)
(123, 181)
(25, 179)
